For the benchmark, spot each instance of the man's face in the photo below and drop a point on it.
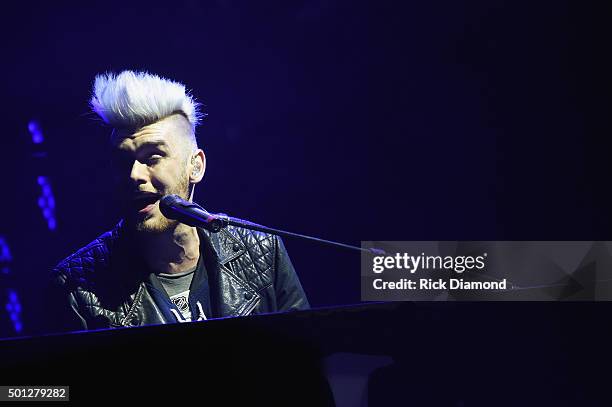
(149, 163)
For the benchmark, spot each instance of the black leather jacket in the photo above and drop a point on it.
(105, 285)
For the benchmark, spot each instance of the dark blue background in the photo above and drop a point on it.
(348, 120)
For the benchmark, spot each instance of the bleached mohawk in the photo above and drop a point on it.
(135, 99)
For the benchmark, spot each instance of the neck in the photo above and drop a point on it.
(174, 251)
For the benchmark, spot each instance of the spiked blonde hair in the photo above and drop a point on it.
(135, 99)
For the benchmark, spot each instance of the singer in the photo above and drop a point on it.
(149, 269)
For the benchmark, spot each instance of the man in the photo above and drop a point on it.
(149, 269)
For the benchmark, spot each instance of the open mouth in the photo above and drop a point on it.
(145, 202)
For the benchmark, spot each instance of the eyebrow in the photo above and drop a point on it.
(157, 144)
(153, 143)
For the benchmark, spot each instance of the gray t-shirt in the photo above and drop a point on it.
(177, 286)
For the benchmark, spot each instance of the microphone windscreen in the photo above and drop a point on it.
(166, 205)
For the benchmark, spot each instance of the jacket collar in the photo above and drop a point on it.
(226, 246)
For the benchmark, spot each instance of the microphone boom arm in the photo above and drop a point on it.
(228, 220)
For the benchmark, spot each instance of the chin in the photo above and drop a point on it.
(155, 223)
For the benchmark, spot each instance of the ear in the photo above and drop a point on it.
(197, 166)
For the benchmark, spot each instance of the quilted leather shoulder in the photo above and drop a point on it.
(80, 268)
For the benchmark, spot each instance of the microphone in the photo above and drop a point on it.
(189, 213)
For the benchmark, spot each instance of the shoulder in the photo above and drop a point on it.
(252, 238)
(82, 264)
(246, 247)
(260, 246)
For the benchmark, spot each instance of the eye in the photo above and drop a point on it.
(153, 158)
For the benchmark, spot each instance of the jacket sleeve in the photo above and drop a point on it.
(290, 295)
(61, 310)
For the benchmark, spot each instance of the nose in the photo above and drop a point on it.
(138, 174)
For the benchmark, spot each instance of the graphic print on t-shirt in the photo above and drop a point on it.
(181, 300)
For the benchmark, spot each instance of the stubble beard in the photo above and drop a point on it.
(155, 222)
